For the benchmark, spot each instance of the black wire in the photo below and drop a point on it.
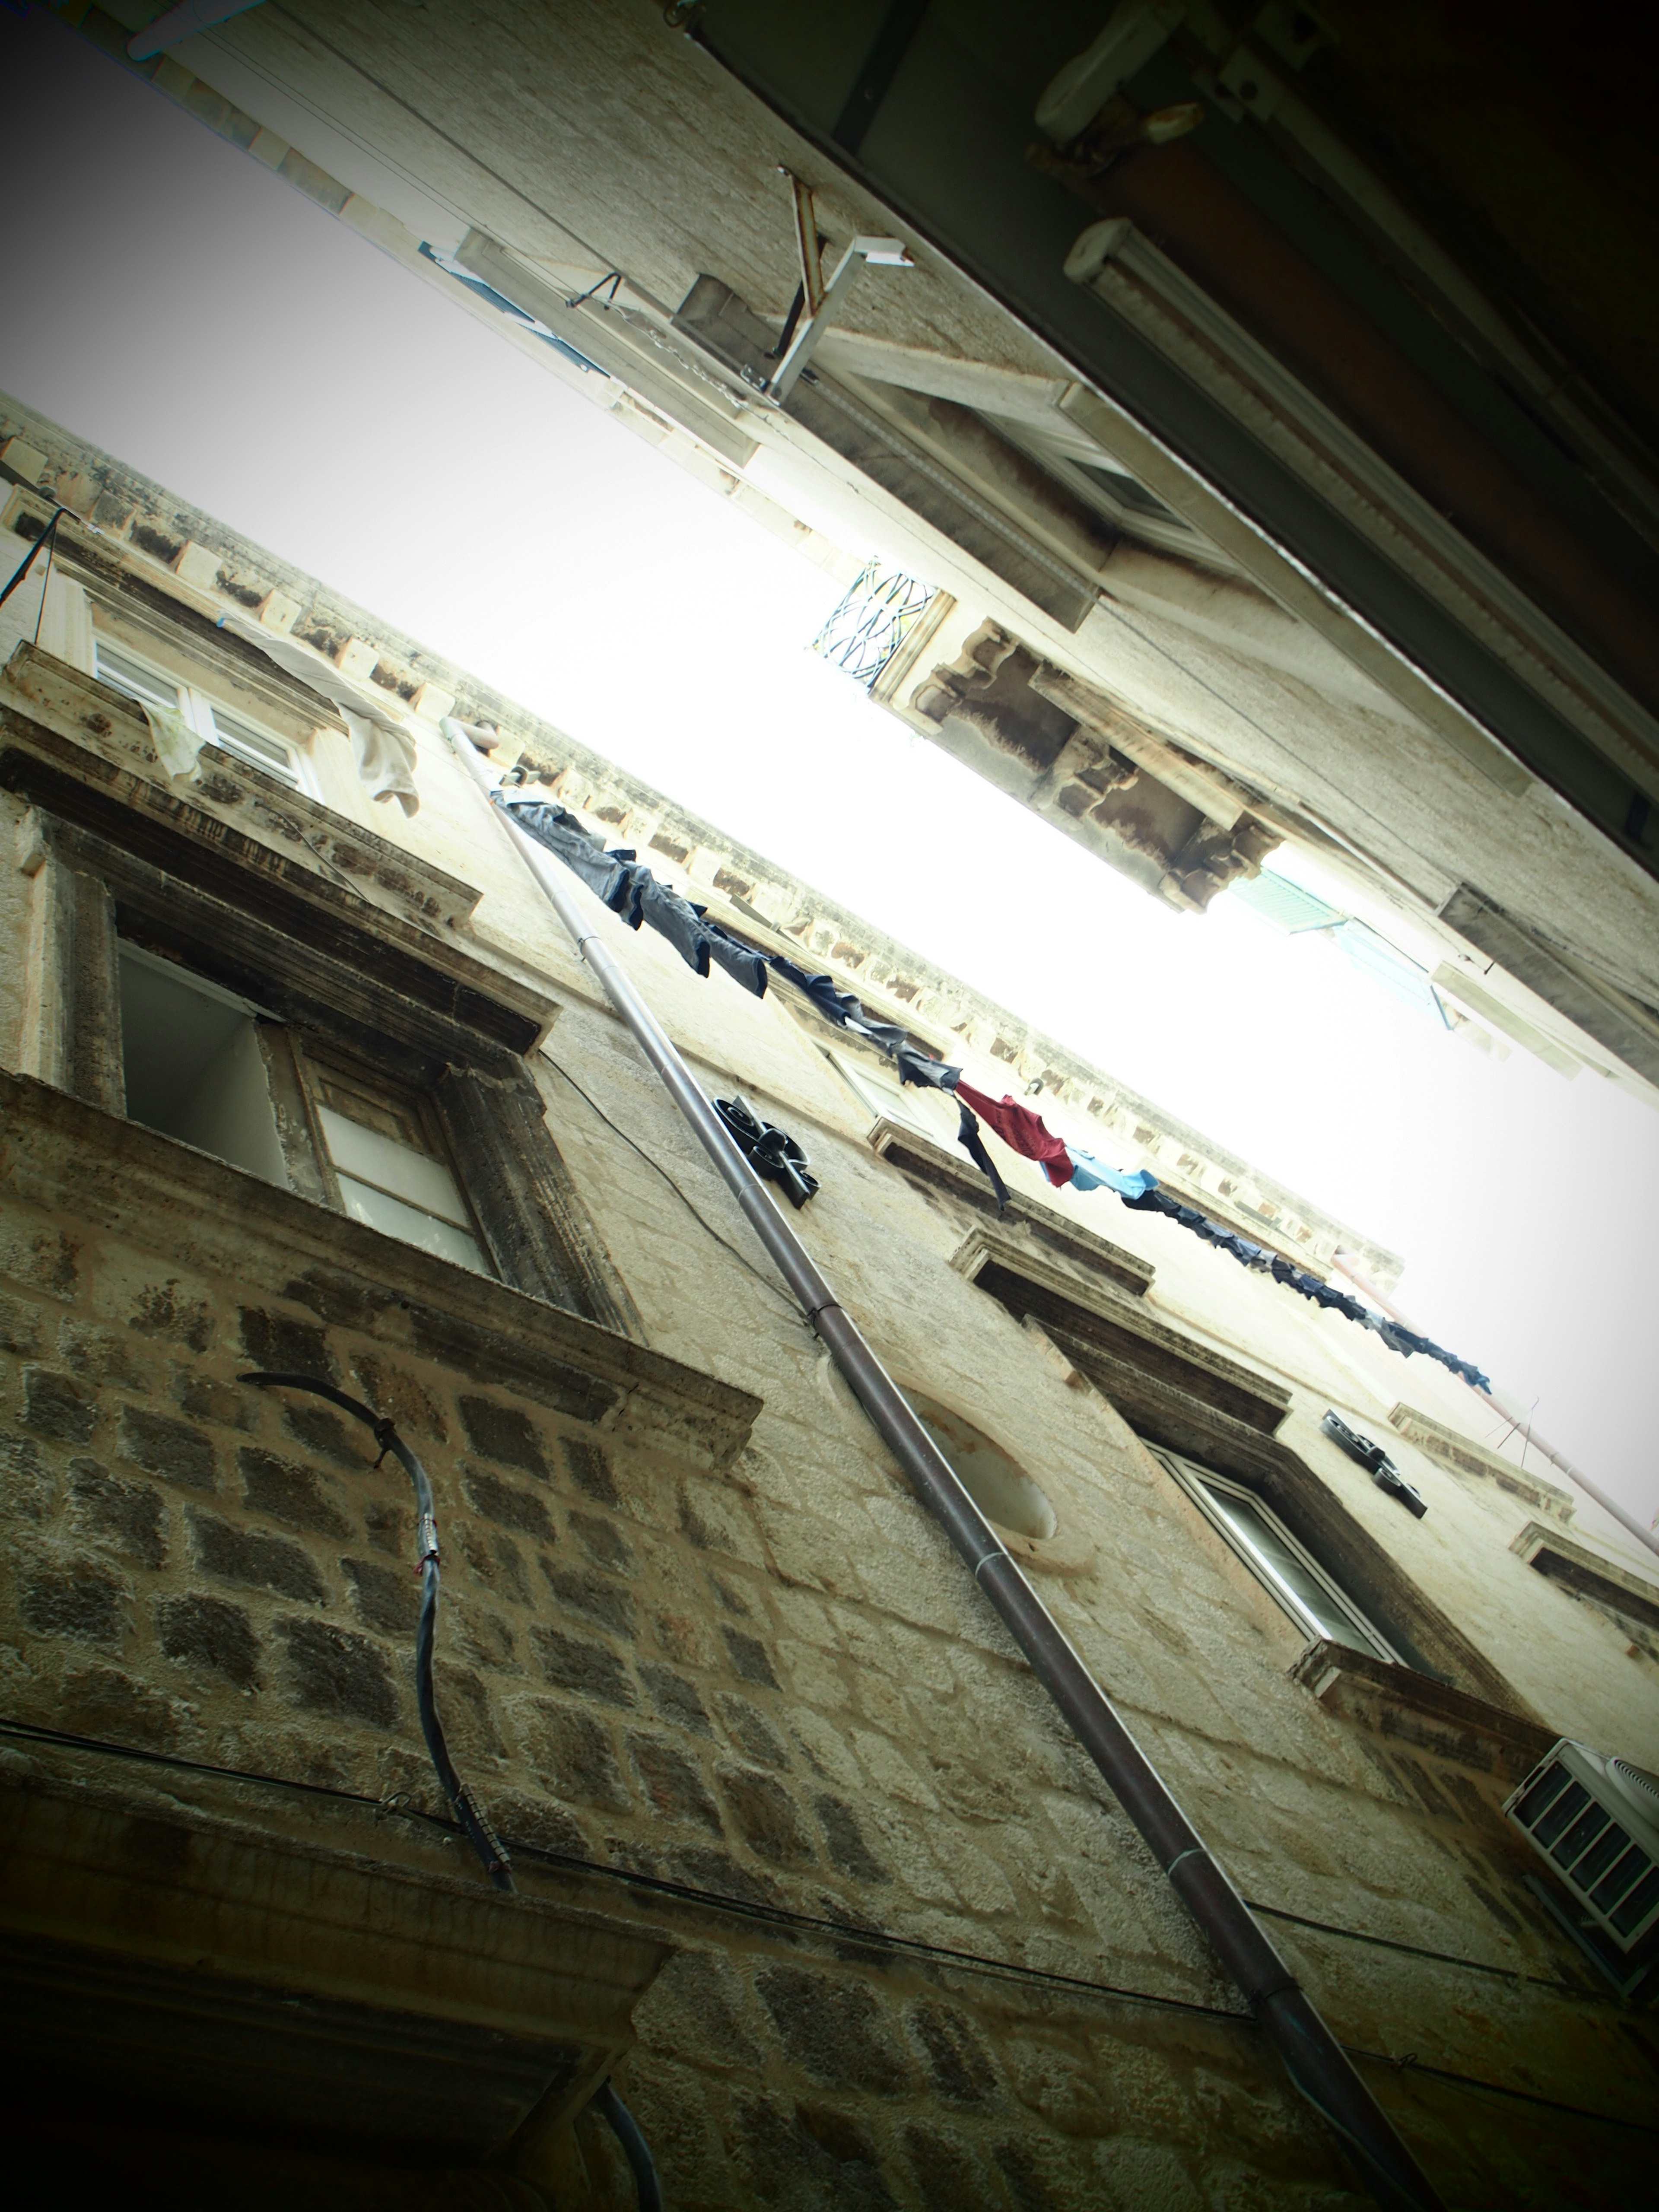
(640, 2164)
(849, 1932)
(764, 1282)
(613, 278)
(479, 1833)
(47, 537)
(846, 1933)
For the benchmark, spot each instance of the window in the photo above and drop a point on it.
(390, 1167)
(194, 1067)
(885, 1097)
(221, 726)
(1285, 1568)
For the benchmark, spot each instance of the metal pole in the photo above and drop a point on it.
(1316, 2060)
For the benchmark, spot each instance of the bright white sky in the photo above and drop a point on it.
(174, 301)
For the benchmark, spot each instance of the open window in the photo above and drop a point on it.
(885, 1099)
(1287, 1569)
(125, 671)
(192, 1066)
(197, 1064)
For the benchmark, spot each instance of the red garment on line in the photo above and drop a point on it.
(1021, 1130)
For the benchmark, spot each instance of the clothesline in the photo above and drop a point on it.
(632, 892)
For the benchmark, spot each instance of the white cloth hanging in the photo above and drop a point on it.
(385, 759)
(382, 747)
(178, 747)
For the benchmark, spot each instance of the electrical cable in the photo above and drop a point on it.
(765, 1283)
(476, 1828)
(635, 2149)
(847, 1936)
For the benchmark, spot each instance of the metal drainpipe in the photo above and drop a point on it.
(1313, 2057)
(1516, 1414)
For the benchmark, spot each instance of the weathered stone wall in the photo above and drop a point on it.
(705, 1660)
(764, 1681)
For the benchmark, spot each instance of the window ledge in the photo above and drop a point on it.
(1589, 1573)
(924, 1162)
(358, 1971)
(1031, 1287)
(1396, 1701)
(77, 1162)
(1464, 1457)
(83, 750)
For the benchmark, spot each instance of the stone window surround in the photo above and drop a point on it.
(114, 871)
(1404, 1707)
(1469, 1460)
(1173, 1390)
(1630, 1601)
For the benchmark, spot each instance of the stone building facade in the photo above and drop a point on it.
(1123, 639)
(805, 1860)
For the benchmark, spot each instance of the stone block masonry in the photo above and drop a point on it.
(904, 1920)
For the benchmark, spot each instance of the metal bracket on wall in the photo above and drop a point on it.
(820, 300)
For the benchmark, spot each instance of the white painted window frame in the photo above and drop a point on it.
(201, 711)
(873, 1098)
(1198, 1482)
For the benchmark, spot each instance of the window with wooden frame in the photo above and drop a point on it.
(1211, 1422)
(876, 1086)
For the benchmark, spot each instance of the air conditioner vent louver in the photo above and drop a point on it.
(1597, 1821)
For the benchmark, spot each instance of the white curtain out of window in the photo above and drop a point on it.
(383, 748)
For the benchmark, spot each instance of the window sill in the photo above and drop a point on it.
(1587, 1573)
(1397, 1702)
(77, 1162)
(82, 751)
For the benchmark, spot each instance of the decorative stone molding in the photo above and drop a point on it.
(1063, 749)
(1463, 1457)
(1032, 1288)
(64, 1162)
(261, 1955)
(1628, 1597)
(1407, 1707)
(82, 751)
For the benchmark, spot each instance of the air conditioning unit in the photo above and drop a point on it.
(1595, 1819)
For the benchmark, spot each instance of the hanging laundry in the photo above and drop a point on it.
(386, 766)
(973, 1144)
(1022, 1131)
(582, 853)
(385, 758)
(920, 1068)
(178, 747)
(741, 962)
(838, 1005)
(774, 1157)
(1089, 1173)
(633, 892)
